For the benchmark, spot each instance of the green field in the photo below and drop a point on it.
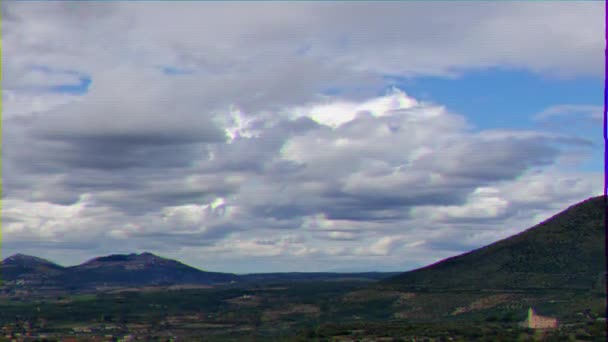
(302, 311)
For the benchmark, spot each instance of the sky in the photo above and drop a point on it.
(295, 136)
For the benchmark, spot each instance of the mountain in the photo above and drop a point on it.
(28, 268)
(566, 251)
(145, 269)
(118, 270)
(140, 269)
(27, 261)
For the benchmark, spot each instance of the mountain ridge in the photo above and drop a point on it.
(23, 259)
(566, 250)
(112, 270)
(145, 269)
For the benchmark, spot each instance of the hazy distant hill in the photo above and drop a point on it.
(140, 269)
(565, 251)
(114, 270)
(145, 269)
(20, 266)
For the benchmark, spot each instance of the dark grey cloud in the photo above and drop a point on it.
(488, 161)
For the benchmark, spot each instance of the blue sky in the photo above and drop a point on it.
(502, 98)
(258, 137)
(77, 89)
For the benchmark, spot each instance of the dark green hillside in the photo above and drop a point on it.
(565, 251)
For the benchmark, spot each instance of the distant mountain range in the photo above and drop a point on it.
(567, 251)
(136, 270)
(114, 270)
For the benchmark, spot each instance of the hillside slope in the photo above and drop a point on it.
(564, 252)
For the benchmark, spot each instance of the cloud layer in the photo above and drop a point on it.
(264, 137)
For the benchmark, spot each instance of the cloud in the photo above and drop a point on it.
(584, 112)
(23, 104)
(383, 246)
(270, 41)
(280, 141)
(335, 113)
(393, 169)
(482, 204)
